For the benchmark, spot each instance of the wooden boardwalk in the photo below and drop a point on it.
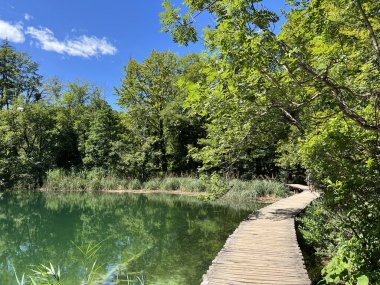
(298, 187)
(264, 248)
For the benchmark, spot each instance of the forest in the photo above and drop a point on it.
(301, 102)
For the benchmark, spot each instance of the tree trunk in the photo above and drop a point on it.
(164, 159)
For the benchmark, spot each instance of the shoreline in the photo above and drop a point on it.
(270, 199)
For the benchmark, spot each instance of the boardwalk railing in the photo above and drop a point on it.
(264, 248)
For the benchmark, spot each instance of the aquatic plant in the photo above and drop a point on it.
(171, 183)
(134, 184)
(214, 185)
(50, 275)
(153, 184)
(251, 190)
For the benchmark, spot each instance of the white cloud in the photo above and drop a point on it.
(28, 17)
(11, 32)
(83, 46)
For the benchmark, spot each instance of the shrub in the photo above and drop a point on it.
(216, 186)
(356, 256)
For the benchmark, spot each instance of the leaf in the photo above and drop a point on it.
(363, 280)
(22, 282)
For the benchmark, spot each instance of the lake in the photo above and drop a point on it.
(137, 239)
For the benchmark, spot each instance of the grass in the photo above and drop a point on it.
(50, 275)
(96, 180)
(246, 191)
(101, 201)
(100, 180)
(134, 184)
(153, 184)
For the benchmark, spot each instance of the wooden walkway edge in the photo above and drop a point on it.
(264, 248)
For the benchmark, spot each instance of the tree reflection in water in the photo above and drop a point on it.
(163, 239)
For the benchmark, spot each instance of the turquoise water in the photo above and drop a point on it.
(146, 239)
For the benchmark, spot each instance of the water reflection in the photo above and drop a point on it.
(162, 239)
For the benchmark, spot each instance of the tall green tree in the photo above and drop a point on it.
(100, 150)
(326, 48)
(28, 139)
(18, 77)
(74, 115)
(236, 141)
(157, 123)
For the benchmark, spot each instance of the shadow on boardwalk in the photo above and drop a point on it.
(264, 248)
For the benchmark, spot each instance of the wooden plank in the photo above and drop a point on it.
(299, 187)
(264, 248)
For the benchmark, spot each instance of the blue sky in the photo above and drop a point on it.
(90, 40)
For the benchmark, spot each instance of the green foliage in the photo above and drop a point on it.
(49, 275)
(27, 136)
(75, 127)
(320, 78)
(191, 184)
(352, 252)
(19, 78)
(345, 227)
(153, 184)
(246, 191)
(165, 130)
(158, 129)
(102, 135)
(256, 104)
(187, 184)
(46, 275)
(135, 184)
(93, 180)
(216, 186)
(87, 128)
(171, 183)
(183, 33)
(42, 275)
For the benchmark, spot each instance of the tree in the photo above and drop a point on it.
(28, 137)
(102, 134)
(310, 59)
(146, 91)
(322, 73)
(18, 77)
(156, 122)
(74, 116)
(235, 142)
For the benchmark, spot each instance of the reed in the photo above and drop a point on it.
(253, 189)
(101, 180)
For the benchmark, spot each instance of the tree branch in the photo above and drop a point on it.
(293, 120)
(370, 29)
(335, 89)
